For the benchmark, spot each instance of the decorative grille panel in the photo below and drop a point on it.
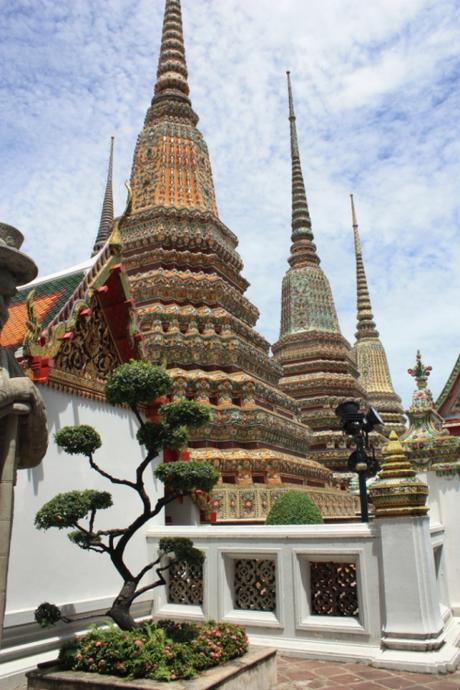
(255, 584)
(185, 584)
(334, 589)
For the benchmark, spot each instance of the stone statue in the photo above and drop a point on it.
(23, 429)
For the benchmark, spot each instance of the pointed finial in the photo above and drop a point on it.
(420, 372)
(171, 88)
(355, 227)
(365, 319)
(105, 223)
(303, 249)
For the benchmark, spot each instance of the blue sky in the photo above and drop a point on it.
(376, 87)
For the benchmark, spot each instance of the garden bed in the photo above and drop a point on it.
(255, 670)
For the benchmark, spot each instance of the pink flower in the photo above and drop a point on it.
(138, 643)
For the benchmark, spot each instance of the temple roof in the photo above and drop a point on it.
(445, 394)
(51, 294)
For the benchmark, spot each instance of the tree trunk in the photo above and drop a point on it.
(119, 612)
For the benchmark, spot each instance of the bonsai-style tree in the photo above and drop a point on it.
(135, 384)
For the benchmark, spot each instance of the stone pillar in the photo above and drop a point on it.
(444, 485)
(412, 611)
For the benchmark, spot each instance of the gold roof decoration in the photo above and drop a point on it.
(397, 492)
(369, 352)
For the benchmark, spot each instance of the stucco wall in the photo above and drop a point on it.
(46, 566)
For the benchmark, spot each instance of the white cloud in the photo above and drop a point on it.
(377, 101)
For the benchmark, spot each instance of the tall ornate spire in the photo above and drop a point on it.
(317, 361)
(106, 221)
(184, 273)
(171, 89)
(366, 324)
(303, 249)
(369, 351)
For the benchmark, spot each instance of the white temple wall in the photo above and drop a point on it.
(362, 592)
(45, 565)
(444, 501)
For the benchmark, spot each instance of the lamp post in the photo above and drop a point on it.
(358, 425)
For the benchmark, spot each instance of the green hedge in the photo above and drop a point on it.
(294, 508)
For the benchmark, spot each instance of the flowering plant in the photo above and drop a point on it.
(164, 651)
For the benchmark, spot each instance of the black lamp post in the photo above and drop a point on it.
(358, 425)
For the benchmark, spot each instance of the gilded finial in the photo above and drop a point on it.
(397, 492)
(115, 237)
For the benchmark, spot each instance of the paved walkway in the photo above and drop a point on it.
(298, 674)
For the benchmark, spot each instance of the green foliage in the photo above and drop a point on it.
(47, 615)
(294, 508)
(84, 541)
(157, 435)
(186, 476)
(65, 510)
(162, 652)
(182, 549)
(136, 382)
(175, 438)
(144, 652)
(179, 631)
(152, 436)
(185, 413)
(78, 439)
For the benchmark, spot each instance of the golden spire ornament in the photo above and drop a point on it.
(397, 492)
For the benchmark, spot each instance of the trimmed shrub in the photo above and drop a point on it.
(136, 382)
(186, 476)
(65, 510)
(185, 413)
(294, 508)
(82, 439)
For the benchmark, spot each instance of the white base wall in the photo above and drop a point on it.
(45, 565)
(444, 501)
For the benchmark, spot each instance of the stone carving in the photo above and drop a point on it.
(185, 584)
(23, 429)
(255, 584)
(334, 589)
(90, 352)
